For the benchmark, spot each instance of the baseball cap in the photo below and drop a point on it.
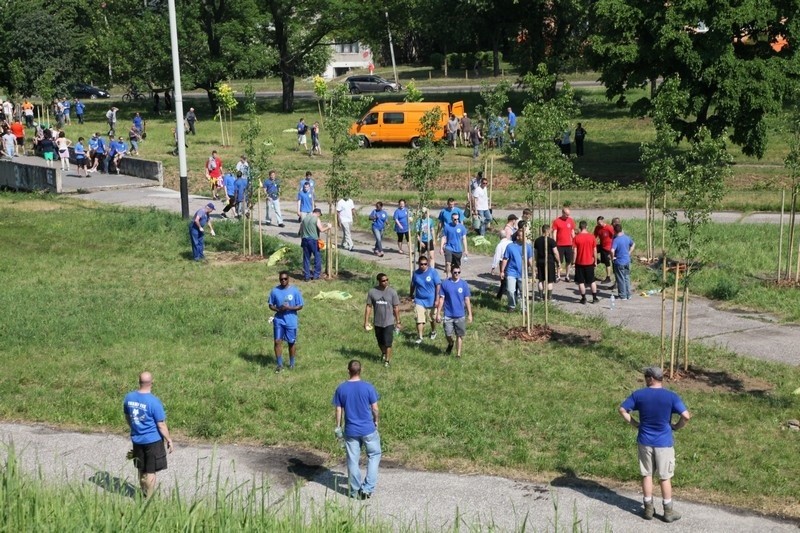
(654, 372)
(210, 205)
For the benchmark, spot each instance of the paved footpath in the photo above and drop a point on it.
(424, 500)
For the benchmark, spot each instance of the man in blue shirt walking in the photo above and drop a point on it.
(453, 304)
(229, 185)
(286, 300)
(454, 243)
(621, 248)
(356, 402)
(656, 405)
(145, 415)
(401, 222)
(272, 188)
(425, 285)
(513, 265)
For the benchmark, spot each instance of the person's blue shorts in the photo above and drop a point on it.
(282, 333)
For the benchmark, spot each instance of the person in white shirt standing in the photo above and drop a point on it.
(345, 213)
(480, 205)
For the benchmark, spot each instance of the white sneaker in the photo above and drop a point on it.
(418, 341)
(433, 335)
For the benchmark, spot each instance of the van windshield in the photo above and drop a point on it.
(371, 118)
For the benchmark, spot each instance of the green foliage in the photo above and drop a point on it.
(436, 60)
(732, 78)
(495, 98)
(224, 96)
(725, 289)
(537, 161)
(342, 112)
(423, 164)
(413, 94)
(44, 85)
(259, 150)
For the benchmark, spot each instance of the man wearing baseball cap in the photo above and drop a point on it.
(197, 230)
(656, 405)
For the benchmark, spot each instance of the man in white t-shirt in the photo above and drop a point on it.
(480, 205)
(9, 144)
(345, 212)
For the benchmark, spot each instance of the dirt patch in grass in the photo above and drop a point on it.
(702, 379)
(561, 334)
(232, 258)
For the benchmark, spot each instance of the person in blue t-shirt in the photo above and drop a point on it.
(80, 157)
(147, 420)
(512, 125)
(401, 225)
(621, 248)
(79, 108)
(447, 212)
(656, 405)
(356, 403)
(513, 265)
(378, 217)
(229, 186)
(426, 236)
(305, 202)
(197, 231)
(454, 243)
(272, 189)
(240, 193)
(307, 179)
(286, 300)
(425, 285)
(451, 307)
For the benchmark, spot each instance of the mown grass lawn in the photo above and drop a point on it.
(94, 294)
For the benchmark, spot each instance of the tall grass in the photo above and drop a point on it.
(92, 295)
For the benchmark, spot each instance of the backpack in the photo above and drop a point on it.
(212, 164)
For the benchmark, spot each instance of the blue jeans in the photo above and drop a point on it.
(511, 290)
(378, 240)
(372, 444)
(622, 273)
(197, 238)
(486, 217)
(311, 248)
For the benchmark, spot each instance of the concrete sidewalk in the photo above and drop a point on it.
(96, 181)
(405, 498)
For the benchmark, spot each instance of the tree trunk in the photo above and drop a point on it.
(496, 56)
(287, 93)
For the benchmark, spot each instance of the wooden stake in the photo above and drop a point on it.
(686, 327)
(674, 322)
(491, 181)
(221, 126)
(663, 278)
(780, 236)
(260, 227)
(797, 270)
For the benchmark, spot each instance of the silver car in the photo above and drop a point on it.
(371, 84)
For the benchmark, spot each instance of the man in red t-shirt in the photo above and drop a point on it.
(214, 173)
(605, 234)
(585, 261)
(564, 233)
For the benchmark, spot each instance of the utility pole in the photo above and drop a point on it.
(391, 48)
(179, 131)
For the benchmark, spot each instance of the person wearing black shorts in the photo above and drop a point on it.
(545, 247)
(585, 261)
(147, 420)
(386, 305)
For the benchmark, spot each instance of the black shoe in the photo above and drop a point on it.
(281, 225)
(595, 299)
(583, 300)
(224, 214)
(607, 280)
(449, 349)
(279, 370)
(364, 495)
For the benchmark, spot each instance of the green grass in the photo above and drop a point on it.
(98, 293)
(611, 161)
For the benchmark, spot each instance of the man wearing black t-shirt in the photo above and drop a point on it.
(545, 247)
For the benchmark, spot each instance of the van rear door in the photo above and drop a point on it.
(457, 109)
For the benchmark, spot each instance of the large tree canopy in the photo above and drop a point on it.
(736, 61)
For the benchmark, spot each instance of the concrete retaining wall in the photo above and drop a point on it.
(134, 166)
(29, 177)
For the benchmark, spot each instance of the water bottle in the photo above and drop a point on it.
(613, 302)
(339, 436)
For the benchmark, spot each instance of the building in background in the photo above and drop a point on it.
(347, 57)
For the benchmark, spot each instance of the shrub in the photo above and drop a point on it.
(436, 60)
(725, 289)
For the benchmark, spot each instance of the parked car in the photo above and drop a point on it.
(371, 84)
(84, 90)
(400, 122)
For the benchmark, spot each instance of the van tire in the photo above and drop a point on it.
(363, 142)
(415, 142)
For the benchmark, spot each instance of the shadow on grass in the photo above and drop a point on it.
(113, 484)
(595, 490)
(350, 353)
(259, 359)
(335, 481)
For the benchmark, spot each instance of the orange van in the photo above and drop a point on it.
(400, 122)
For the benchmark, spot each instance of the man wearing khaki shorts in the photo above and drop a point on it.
(425, 285)
(656, 405)
(451, 307)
